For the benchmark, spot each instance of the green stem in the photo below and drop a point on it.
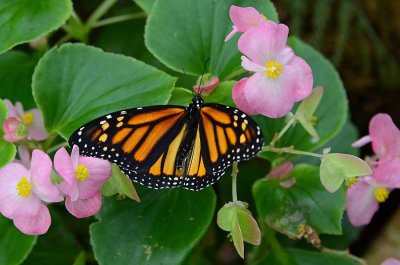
(235, 171)
(289, 150)
(235, 74)
(56, 147)
(99, 12)
(287, 126)
(117, 19)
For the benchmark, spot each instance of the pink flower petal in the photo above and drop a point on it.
(63, 165)
(263, 42)
(285, 55)
(37, 224)
(99, 173)
(25, 156)
(208, 87)
(12, 111)
(232, 33)
(362, 141)
(272, 98)
(388, 173)
(304, 78)
(385, 137)
(11, 204)
(361, 204)
(41, 167)
(280, 171)
(14, 130)
(245, 17)
(240, 99)
(391, 261)
(37, 131)
(19, 108)
(84, 208)
(250, 66)
(75, 156)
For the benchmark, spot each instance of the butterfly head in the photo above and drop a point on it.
(197, 102)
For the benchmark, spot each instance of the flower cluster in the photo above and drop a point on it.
(280, 77)
(27, 185)
(364, 196)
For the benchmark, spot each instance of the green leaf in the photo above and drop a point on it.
(305, 257)
(146, 5)
(239, 222)
(25, 20)
(119, 184)
(14, 245)
(16, 69)
(81, 259)
(74, 84)
(162, 229)
(8, 150)
(184, 41)
(180, 96)
(331, 113)
(335, 168)
(304, 203)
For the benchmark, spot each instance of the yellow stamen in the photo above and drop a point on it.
(264, 16)
(381, 194)
(82, 172)
(27, 118)
(24, 188)
(350, 182)
(274, 69)
(301, 229)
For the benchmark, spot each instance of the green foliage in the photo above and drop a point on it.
(162, 229)
(25, 20)
(185, 47)
(74, 84)
(119, 184)
(7, 149)
(304, 203)
(14, 246)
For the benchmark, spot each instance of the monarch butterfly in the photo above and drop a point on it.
(168, 146)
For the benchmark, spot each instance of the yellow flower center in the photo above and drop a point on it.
(82, 172)
(313, 120)
(24, 188)
(264, 16)
(274, 69)
(381, 194)
(350, 182)
(27, 118)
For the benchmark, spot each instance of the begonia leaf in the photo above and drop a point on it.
(8, 150)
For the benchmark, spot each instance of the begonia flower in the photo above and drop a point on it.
(24, 194)
(281, 173)
(281, 78)
(32, 119)
(244, 18)
(24, 156)
(14, 130)
(363, 197)
(391, 261)
(209, 84)
(82, 180)
(384, 136)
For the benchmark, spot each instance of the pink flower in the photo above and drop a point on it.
(281, 173)
(24, 156)
(363, 198)
(32, 119)
(385, 138)
(281, 78)
(14, 130)
(24, 193)
(82, 180)
(391, 261)
(244, 18)
(210, 83)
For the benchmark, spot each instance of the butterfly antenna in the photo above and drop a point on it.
(201, 78)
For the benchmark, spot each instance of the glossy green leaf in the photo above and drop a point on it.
(304, 203)
(8, 150)
(184, 41)
(16, 69)
(161, 229)
(14, 245)
(119, 184)
(335, 168)
(306, 257)
(331, 112)
(74, 84)
(81, 259)
(25, 20)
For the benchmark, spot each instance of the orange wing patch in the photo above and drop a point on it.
(223, 145)
(154, 116)
(209, 131)
(231, 136)
(134, 139)
(121, 135)
(217, 115)
(195, 159)
(169, 164)
(156, 168)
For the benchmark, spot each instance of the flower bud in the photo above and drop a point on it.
(208, 84)
(14, 130)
